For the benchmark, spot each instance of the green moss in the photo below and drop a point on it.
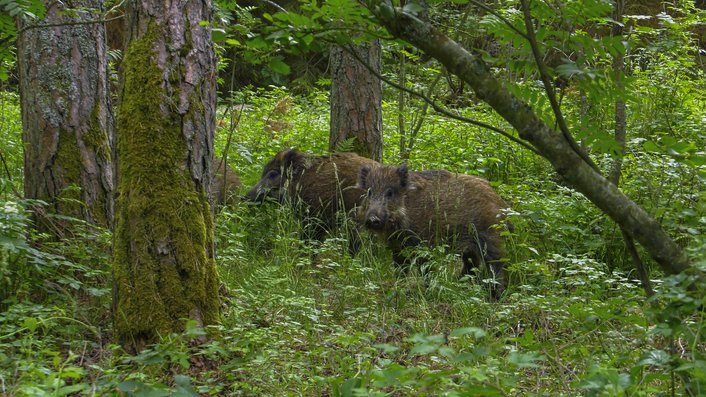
(97, 139)
(68, 162)
(163, 261)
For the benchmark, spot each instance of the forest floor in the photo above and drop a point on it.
(306, 319)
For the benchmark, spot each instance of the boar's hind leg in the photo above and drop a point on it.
(471, 259)
(487, 251)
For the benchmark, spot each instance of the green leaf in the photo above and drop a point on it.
(412, 8)
(474, 331)
(184, 387)
(650, 146)
(658, 358)
(278, 66)
(71, 389)
(386, 347)
(349, 386)
(218, 35)
(30, 323)
(129, 386)
(525, 360)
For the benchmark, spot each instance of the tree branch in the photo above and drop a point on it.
(549, 87)
(551, 145)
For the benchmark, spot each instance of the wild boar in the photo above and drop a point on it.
(317, 186)
(438, 207)
(224, 188)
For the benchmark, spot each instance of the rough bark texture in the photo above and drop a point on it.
(67, 123)
(356, 100)
(551, 144)
(164, 269)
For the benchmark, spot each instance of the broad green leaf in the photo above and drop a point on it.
(278, 66)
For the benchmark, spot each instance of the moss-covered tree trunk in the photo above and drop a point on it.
(356, 99)
(66, 118)
(164, 269)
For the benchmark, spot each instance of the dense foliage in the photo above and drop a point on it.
(304, 318)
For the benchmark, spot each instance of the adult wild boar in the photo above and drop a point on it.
(317, 186)
(224, 187)
(438, 207)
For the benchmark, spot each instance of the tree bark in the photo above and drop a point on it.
(164, 269)
(67, 124)
(620, 113)
(551, 144)
(356, 100)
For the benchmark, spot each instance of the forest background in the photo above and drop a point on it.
(305, 318)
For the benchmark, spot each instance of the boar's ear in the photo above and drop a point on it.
(363, 176)
(403, 174)
(290, 157)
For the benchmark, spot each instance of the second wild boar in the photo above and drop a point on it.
(438, 207)
(317, 186)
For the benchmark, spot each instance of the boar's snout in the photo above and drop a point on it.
(375, 221)
(255, 195)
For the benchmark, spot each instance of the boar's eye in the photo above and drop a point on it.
(272, 174)
(389, 193)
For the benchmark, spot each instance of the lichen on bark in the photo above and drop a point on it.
(164, 270)
(67, 125)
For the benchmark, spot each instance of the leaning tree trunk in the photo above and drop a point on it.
(356, 99)
(164, 269)
(551, 145)
(66, 118)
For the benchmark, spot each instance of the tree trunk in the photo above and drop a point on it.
(164, 269)
(620, 130)
(401, 105)
(620, 114)
(67, 123)
(356, 100)
(551, 144)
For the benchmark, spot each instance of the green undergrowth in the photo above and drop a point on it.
(306, 318)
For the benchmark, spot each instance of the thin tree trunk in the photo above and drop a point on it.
(164, 269)
(67, 124)
(356, 100)
(620, 114)
(401, 105)
(620, 135)
(551, 144)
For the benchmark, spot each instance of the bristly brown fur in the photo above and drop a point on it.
(440, 207)
(315, 185)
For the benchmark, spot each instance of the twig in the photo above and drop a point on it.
(500, 17)
(275, 5)
(9, 176)
(548, 87)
